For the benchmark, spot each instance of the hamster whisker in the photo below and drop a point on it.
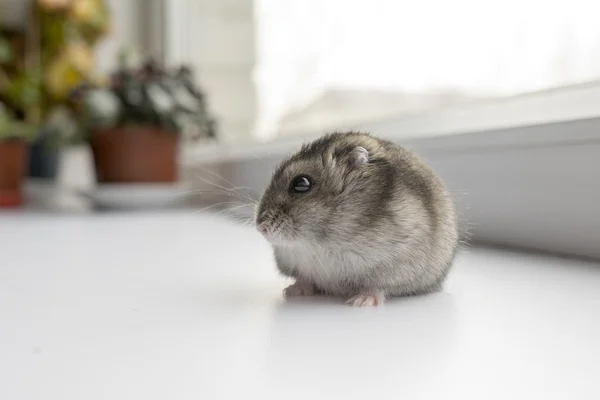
(220, 191)
(237, 218)
(244, 222)
(233, 187)
(261, 159)
(231, 190)
(230, 209)
(213, 205)
(225, 180)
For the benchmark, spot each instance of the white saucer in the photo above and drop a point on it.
(138, 196)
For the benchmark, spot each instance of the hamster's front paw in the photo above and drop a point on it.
(300, 288)
(367, 299)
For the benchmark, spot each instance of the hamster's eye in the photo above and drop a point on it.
(301, 184)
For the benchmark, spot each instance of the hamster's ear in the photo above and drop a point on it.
(358, 156)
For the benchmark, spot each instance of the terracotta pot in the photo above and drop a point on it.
(13, 159)
(135, 155)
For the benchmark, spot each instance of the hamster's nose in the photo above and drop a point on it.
(262, 228)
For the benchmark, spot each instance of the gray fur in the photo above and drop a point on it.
(377, 218)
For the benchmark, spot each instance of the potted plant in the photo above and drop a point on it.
(135, 123)
(68, 32)
(19, 121)
(14, 138)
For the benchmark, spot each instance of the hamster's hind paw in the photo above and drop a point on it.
(367, 299)
(300, 288)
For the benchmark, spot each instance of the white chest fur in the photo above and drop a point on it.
(325, 267)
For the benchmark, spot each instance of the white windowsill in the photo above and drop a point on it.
(181, 305)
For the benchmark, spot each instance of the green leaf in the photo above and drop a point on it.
(25, 89)
(11, 128)
(6, 54)
(4, 119)
(23, 130)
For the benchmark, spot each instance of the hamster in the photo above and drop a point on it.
(359, 217)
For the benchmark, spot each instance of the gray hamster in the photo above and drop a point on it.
(355, 216)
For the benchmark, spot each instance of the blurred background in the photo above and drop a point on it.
(132, 104)
(137, 135)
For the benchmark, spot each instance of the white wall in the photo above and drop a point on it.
(217, 38)
(126, 31)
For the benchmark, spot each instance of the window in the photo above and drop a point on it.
(326, 64)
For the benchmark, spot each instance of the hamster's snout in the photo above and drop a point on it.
(262, 228)
(262, 223)
(270, 226)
